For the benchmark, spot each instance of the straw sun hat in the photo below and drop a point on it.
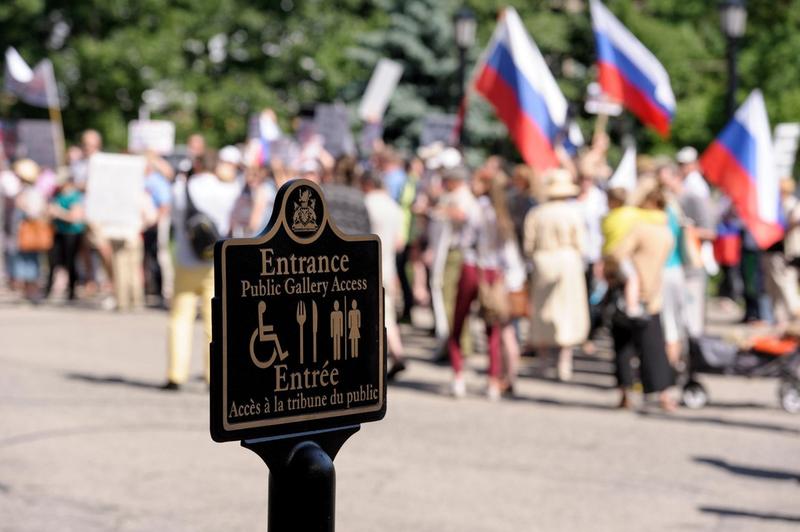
(559, 184)
(27, 170)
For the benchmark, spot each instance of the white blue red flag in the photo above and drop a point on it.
(629, 73)
(741, 163)
(514, 78)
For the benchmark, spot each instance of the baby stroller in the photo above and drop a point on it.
(763, 357)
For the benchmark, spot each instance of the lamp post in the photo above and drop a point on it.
(465, 24)
(733, 16)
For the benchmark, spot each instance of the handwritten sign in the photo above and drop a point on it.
(298, 335)
(332, 122)
(379, 91)
(114, 191)
(156, 135)
(36, 140)
(438, 128)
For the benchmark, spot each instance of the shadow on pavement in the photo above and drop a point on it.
(114, 379)
(732, 512)
(547, 401)
(419, 386)
(770, 474)
(732, 423)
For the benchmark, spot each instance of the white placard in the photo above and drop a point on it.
(785, 142)
(114, 191)
(379, 90)
(156, 135)
(598, 103)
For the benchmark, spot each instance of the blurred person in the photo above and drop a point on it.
(728, 253)
(410, 252)
(386, 219)
(92, 143)
(515, 275)
(157, 257)
(522, 197)
(254, 206)
(781, 281)
(693, 180)
(196, 146)
(646, 247)
(212, 191)
(343, 197)
(30, 207)
(67, 212)
(483, 237)
(127, 255)
(10, 186)
(448, 219)
(592, 203)
(674, 282)
(393, 172)
(554, 239)
(699, 232)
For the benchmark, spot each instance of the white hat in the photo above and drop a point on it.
(230, 154)
(448, 158)
(560, 184)
(686, 155)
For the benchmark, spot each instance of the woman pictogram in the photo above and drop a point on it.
(354, 324)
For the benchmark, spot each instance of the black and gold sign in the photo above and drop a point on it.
(298, 337)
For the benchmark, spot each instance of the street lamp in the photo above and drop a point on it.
(465, 24)
(733, 17)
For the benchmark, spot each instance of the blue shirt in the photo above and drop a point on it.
(674, 259)
(159, 189)
(395, 181)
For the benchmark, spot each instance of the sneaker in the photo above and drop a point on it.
(458, 388)
(493, 392)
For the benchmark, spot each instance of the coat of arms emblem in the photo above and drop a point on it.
(304, 219)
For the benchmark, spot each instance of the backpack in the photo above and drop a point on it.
(201, 231)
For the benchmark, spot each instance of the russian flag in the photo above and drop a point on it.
(514, 78)
(741, 163)
(630, 73)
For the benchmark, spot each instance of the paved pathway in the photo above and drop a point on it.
(87, 443)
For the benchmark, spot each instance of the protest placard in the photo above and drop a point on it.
(785, 143)
(36, 140)
(332, 122)
(380, 88)
(438, 128)
(114, 190)
(156, 135)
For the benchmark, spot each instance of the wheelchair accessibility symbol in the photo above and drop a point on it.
(265, 334)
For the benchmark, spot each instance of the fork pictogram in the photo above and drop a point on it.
(301, 319)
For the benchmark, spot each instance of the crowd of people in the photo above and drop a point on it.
(545, 259)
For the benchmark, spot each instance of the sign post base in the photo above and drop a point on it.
(302, 478)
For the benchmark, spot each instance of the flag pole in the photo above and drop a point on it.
(54, 110)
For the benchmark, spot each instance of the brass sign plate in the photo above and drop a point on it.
(298, 334)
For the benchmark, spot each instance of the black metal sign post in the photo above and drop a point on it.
(298, 351)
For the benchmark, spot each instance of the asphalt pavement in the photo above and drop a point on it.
(89, 443)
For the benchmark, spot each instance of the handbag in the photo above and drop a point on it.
(493, 299)
(34, 236)
(519, 303)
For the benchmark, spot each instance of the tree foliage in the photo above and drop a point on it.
(208, 64)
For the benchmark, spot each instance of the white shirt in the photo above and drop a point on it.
(386, 220)
(593, 207)
(211, 196)
(695, 184)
